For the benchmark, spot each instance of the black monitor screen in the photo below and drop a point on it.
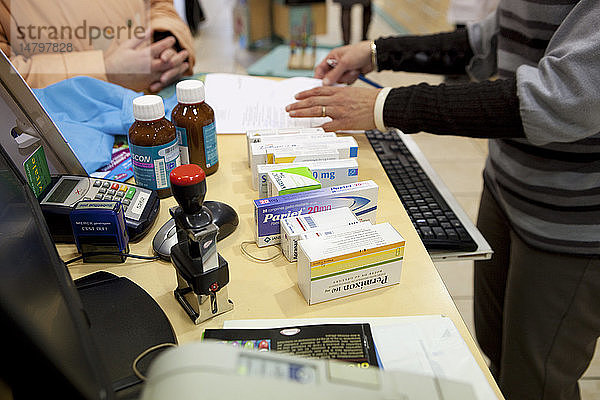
(48, 348)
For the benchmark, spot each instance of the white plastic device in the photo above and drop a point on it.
(209, 370)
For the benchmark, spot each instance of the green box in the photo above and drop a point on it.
(291, 180)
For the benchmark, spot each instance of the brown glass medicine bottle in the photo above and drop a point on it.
(153, 145)
(195, 124)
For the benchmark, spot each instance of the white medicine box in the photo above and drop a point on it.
(292, 228)
(362, 258)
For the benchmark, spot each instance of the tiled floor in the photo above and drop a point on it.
(459, 161)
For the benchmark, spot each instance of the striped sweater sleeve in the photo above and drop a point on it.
(482, 110)
(560, 96)
(442, 53)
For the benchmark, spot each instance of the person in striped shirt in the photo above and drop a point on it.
(537, 314)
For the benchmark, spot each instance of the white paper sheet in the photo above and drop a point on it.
(245, 102)
(429, 345)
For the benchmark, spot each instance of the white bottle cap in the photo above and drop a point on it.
(148, 108)
(190, 91)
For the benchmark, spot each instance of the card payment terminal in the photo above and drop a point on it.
(139, 205)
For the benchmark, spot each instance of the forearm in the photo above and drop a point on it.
(443, 53)
(41, 70)
(164, 18)
(482, 110)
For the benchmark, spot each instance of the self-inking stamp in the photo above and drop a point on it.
(202, 274)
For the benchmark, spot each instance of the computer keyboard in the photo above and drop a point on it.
(435, 222)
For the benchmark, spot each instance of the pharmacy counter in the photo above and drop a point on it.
(269, 290)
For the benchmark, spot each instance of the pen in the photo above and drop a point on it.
(332, 62)
(370, 82)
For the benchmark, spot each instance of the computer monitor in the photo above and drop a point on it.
(25, 124)
(47, 344)
(75, 339)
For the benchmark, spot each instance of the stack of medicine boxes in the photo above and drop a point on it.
(311, 202)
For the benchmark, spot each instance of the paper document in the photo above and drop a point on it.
(352, 343)
(245, 102)
(429, 345)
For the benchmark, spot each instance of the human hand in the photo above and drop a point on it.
(350, 61)
(172, 67)
(350, 108)
(141, 66)
(128, 63)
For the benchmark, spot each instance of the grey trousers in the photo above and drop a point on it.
(537, 313)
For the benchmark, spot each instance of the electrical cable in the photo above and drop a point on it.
(111, 253)
(258, 259)
(143, 354)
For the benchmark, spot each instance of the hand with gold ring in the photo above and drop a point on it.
(350, 108)
(350, 60)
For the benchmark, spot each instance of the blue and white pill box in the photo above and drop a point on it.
(346, 147)
(302, 149)
(258, 135)
(328, 172)
(292, 228)
(360, 197)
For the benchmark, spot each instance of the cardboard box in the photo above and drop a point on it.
(334, 230)
(294, 228)
(345, 145)
(281, 155)
(360, 197)
(257, 135)
(291, 180)
(360, 259)
(300, 148)
(262, 153)
(328, 172)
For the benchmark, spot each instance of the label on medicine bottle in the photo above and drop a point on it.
(210, 144)
(153, 164)
(182, 140)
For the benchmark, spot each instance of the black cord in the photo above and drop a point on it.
(72, 260)
(111, 253)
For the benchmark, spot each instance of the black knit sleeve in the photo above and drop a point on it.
(442, 53)
(482, 110)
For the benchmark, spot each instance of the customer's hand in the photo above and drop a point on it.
(350, 61)
(141, 66)
(350, 108)
(172, 66)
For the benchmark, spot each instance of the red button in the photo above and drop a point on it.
(187, 175)
(115, 186)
